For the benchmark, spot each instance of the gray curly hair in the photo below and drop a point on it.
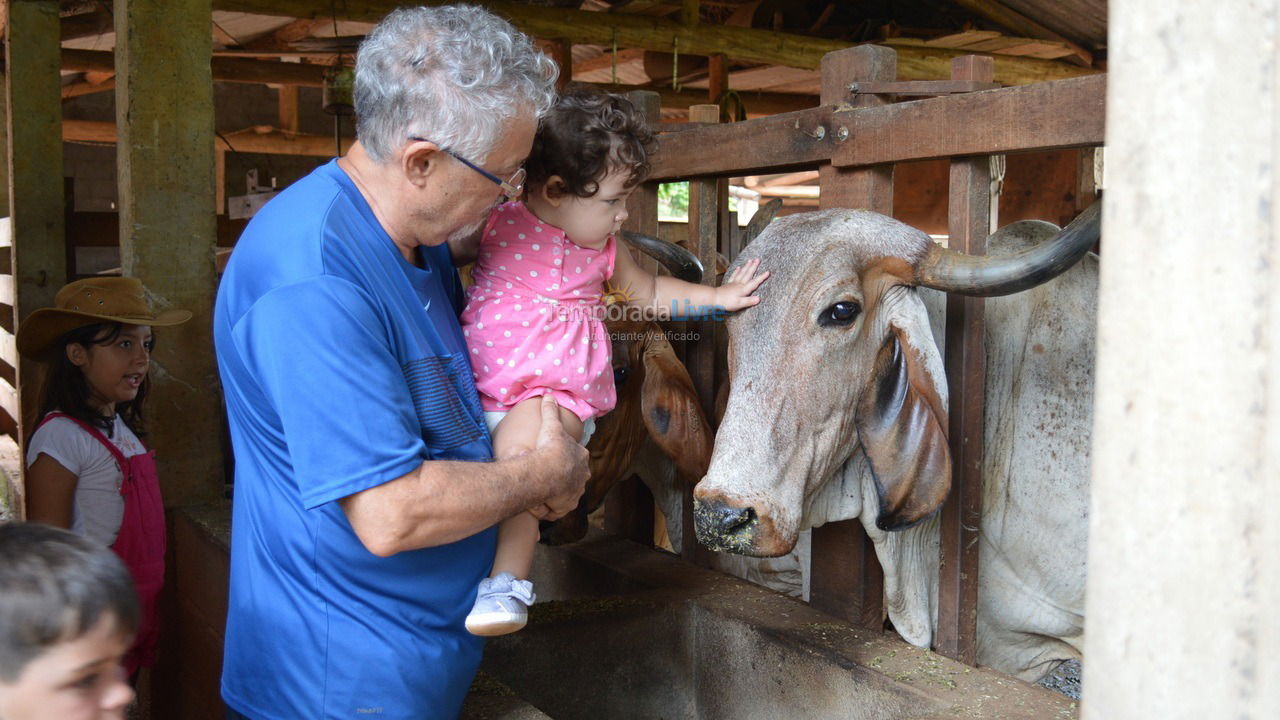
(452, 74)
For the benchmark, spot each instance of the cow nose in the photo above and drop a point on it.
(723, 527)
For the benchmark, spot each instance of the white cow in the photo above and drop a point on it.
(837, 410)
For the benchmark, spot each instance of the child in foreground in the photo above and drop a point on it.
(534, 315)
(68, 613)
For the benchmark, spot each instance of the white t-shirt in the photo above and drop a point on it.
(98, 507)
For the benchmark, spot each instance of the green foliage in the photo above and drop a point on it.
(673, 202)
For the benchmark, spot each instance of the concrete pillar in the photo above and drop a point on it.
(1184, 559)
(165, 165)
(34, 184)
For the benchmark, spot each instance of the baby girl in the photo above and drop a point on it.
(534, 315)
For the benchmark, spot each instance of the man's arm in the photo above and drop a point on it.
(444, 501)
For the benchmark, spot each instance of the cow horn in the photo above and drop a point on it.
(987, 276)
(682, 264)
(760, 220)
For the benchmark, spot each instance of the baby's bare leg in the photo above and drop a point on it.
(516, 435)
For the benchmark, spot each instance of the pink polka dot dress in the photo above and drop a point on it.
(534, 316)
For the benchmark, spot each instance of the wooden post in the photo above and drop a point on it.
(561, 51)
(704, 240)
(968, 225)
(165, 166)
(845, 576)
(717, 77)
(288, 98)
(628, 509)
(35, 192)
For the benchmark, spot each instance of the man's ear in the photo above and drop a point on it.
(77, 354)
(419, 160)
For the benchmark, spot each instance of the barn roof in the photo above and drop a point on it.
(770, 48)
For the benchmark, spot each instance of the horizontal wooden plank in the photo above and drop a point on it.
(6, 290)
(6, 232)
(1045, 116)
(804, 137)
(8, 349)
(271, 141)
(8, 399)
(227, 69)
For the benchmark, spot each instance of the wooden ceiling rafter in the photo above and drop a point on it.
(663, 35)
(95, 22)
(1016, 22)
(224, 69)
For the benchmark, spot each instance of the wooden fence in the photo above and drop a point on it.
(854, 139)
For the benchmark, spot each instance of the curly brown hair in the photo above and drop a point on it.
(586, 134)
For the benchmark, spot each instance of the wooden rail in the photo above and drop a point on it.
(854, 141)
(1052, 115)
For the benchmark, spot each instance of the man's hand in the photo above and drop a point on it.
(565, 461)
(736, 292)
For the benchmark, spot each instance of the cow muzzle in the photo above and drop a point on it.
(725, 526)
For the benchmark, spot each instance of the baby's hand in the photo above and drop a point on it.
(735, 293)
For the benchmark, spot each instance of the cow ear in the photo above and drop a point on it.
(902, 425)
(671, 413)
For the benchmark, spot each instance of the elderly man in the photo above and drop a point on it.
(362, 523)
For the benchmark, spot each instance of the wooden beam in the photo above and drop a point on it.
(689, 12)
(919, 62)
(969, 223)
(561, 51)
(600, 62)
(1007, 17)
(1063, 114)
(281, 37)
(705, 196)
(224, 69)
(769, 144)
(269, 142)
(165, 175)
(584, 27)
(717, 77)
(628, 508)
(88, 24)
(87, 88)
(758, 103)
(846, 579)
(287, 97)
(35, 187)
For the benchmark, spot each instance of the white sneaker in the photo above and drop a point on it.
(500, 605)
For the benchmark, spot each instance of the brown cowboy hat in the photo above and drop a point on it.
(89, 302)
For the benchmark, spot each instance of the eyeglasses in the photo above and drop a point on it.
(511, 187)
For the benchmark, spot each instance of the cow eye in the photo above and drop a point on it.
(842, 313)
(620, 375)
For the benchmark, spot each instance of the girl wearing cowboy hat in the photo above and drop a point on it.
(86, 468)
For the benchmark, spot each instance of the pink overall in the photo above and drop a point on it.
(140, 542)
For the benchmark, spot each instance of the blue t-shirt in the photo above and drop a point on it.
(343, 368)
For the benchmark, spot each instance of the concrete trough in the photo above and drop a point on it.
(622, 631)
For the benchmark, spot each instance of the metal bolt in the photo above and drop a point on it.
(820, 132)
(842, 134)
